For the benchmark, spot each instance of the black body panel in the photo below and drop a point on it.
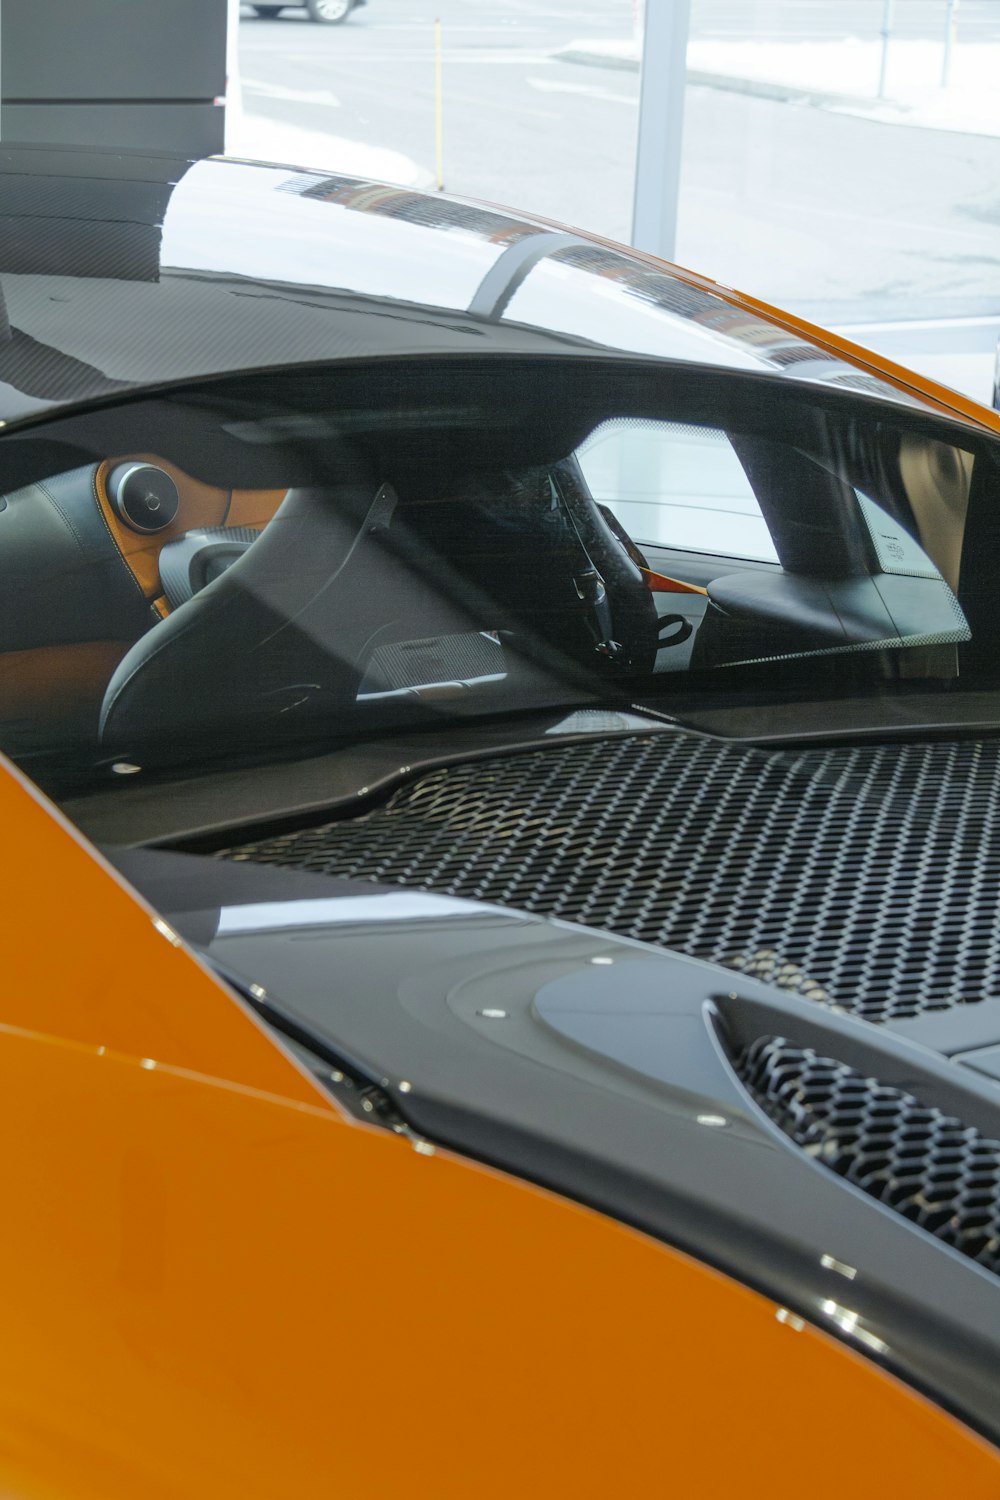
(604, 1069)
(171, 268)
(853, 875)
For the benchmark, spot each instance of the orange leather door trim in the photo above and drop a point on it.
(53, 680)
(253, 507)
(200, 505)
(662, 583)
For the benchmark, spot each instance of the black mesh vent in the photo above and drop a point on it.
(926, 1165)
(865, 877)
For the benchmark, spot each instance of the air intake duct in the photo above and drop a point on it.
(920, 1162)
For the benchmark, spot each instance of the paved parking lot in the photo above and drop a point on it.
(841, 217)
(805, 20)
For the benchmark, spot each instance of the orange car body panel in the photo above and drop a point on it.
(948, 401)
(213, 1284)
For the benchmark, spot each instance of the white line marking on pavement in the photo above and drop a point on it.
(923, 325)
(420, 54)
(453, 30)
(803, 211)
(293, 96)
(592, 91)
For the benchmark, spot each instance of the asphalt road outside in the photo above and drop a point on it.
(834, 215)
(810, 20)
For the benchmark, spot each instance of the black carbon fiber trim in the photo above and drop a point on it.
(926, 1165)
(865, 877)
(437, 659)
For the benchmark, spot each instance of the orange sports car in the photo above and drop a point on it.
(501, 786)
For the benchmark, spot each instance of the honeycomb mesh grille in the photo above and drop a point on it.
(924, 1164)
(865, 877)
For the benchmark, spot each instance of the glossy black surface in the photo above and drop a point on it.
(121, 271)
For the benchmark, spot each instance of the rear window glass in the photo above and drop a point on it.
(676, 486)
(270, 565)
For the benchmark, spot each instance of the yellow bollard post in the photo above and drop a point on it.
(438, 108)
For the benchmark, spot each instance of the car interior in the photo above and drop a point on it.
(410, 563)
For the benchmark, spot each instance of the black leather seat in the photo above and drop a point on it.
(284, 633)
(62, 579)
(283, 637)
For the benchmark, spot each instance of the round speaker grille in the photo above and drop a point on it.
(145, 497)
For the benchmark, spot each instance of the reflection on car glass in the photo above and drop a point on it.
(702, 324)
(676, 485)
(590, 535)
(937, 478)
(409, 207)
(601, 721)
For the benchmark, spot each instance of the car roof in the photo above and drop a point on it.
(122, 272)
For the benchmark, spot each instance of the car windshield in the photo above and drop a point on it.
(254, 567)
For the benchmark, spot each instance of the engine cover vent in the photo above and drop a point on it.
(864, 877)
(922, 1163)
